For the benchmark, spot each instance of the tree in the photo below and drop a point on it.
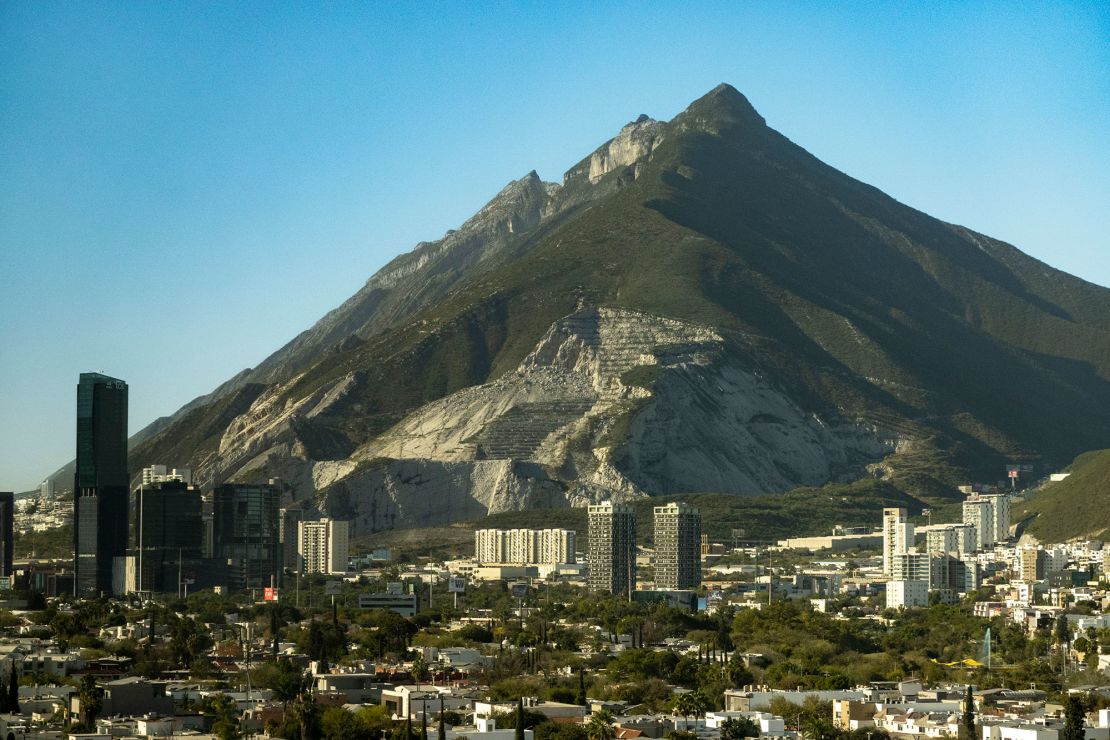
(13, 691)
(441, 734)
(91, 701)
(600, 726)
(738, 728)
(580, 698)
(968, 728)
(1075, 717)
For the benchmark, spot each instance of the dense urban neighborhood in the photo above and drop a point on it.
(230, 613)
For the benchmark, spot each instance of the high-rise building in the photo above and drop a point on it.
(245, 533)
(169, 535)
(612, 548)
(978, 511)
(942, 540)
(289, 537)
(524, 546)
(46, 490)
(677, 546)
(1000, 504)
(323, 546)
(7, 531)
(897, 536)
(913, 566)
(100, 483)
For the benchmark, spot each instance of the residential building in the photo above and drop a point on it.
(942, 541)
(1000, 503)
(245, 533)
(905, 594)
(1030, 565)
(524, 546)
(323, 546)
(677, 546)
(913, 566)
(100, 482)
(897, 536)
(978, 511)
(612, 548)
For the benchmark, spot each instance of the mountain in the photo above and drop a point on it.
(700, 306)
(1073, 508)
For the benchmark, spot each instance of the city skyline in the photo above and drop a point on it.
(212, 214)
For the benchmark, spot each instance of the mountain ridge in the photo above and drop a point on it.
(944, 352)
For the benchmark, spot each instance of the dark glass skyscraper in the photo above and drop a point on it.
(168, 535)
(245, 533)
(7, 531)
(100, 486)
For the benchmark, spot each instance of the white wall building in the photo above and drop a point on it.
(979, 512)
(323, 546)
(905, 594)
(524, 546)
(897, 536)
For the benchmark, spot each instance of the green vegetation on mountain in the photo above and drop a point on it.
(857, 307)
(1077, 507)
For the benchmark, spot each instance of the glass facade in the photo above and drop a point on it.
(245, 533)
(100, 490)
(168, 535)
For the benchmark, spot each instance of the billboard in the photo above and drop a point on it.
(270, 593)
(518, 589)
(333, 588)
(456, 585)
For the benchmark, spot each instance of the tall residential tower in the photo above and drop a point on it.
(612, 548)
(677, 546)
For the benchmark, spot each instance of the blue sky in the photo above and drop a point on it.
(184, 187)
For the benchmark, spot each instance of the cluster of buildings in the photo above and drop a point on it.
(166, 534)
(945, 563)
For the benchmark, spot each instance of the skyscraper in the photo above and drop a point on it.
(100, 483)
(677, 546)
(245, 533)
(7, 531)
(612, 548)
(168, 534)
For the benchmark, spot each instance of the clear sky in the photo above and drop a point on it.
(185, 186)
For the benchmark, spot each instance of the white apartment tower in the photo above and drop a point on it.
(979, 512)
(1001, 504)
(323, 546)
(677, 546)
(612, 548)
(897, 536)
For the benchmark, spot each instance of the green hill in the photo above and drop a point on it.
(1077, 507)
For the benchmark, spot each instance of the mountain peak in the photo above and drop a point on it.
(724, 104)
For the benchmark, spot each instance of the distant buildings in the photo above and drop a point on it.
(989, 513)
(612, 548)
(159, 474)
(677, 546)
(524, 546)
(100, 487)
(323, 546)
(245, 533)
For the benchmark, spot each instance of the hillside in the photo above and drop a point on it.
(701, 305)
(1077, 507)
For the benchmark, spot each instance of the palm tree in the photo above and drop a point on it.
(600, 726)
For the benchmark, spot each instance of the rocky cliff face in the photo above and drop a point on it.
(700, 305)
